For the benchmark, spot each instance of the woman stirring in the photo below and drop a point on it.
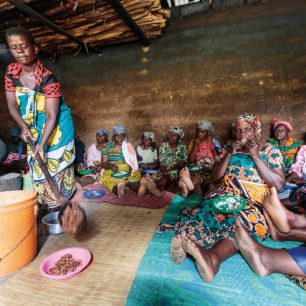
(36, 103)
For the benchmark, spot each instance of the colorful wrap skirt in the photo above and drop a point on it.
(210, 227)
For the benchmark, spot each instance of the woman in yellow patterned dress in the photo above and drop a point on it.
(36, 103)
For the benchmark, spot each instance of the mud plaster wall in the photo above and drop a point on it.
(216, 66)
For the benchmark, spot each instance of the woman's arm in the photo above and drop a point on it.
(195, 148)
(273, 177)
(52, 110)
(14, 112)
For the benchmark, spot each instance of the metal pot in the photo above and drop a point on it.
(51, 223)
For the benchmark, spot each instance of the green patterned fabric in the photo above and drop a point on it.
(160, 282)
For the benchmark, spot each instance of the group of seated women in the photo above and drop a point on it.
(246, 168)
(151, 168)
(253, 171)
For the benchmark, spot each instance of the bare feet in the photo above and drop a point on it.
(143, 187)
(185, 176)
(152, 187)
(120, 189)
(274, 233)
(184, 188)
(203, 259)
(177, 252)
(251, 251)
(276, 211)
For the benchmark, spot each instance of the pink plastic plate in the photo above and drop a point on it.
(77, 254)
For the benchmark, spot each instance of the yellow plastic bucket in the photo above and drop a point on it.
(18, 241)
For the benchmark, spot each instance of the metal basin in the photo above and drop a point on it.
(51, 223)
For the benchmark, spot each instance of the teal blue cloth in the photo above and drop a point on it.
(160, 282)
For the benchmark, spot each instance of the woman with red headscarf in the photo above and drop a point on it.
(287, 144)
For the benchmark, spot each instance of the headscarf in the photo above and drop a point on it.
(15, 131)
(286, 124)
(101, 130)
(252, 120)
(177, 130)
(149, 134)
(119, 129)
(205, 125)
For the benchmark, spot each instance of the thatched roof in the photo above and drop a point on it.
(95, 23)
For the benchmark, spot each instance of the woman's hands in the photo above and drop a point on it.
(253, 148)
(236, 146)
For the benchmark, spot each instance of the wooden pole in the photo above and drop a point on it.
(38, 17)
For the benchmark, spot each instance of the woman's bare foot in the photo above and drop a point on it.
(177, 252)
(143, 187)
(184, 188)
(274, 233)
(152, 187)
(276, 211)
(185, 176)
(251, 250)
(120, 189)
(203, 259)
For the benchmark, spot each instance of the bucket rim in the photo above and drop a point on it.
(28, 196)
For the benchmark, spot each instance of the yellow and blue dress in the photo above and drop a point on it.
(59, 150)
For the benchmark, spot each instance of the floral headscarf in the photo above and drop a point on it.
(252, 120)
(177, 130)
(149, 134)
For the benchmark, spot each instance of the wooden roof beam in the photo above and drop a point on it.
(41, 19)
(123, 13)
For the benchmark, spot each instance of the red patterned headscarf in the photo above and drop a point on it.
(252, 120)
(286, 124)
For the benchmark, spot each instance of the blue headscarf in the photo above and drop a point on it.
(119, 129)
(104, 131)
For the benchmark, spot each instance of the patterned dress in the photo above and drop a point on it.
(205, 158)
(59, 150)
(288, 151)
(115, 157)
(169, 159)
(209, 226)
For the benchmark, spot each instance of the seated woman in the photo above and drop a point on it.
(119, 163)
(147, 160)
(94, 152)
(253, 166)
(202, 154)
(297, 175)
(264, 261)
(284, 142)
(172, 158)
(147, 152)
(16, 159)
(80, 152)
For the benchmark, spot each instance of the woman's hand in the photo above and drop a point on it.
(235, 146)
(253, 148)
(39, 150)
(25, 132)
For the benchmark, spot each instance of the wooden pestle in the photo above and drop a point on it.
(71, 224)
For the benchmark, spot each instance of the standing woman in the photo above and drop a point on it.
(36, 103)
